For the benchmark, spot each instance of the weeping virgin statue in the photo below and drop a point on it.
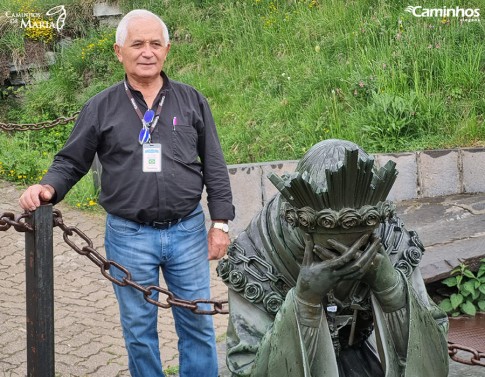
(325, 280)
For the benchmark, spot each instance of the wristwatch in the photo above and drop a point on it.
(222, 226)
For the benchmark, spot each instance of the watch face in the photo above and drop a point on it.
(222, 226)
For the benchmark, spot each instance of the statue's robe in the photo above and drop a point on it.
(272, 333)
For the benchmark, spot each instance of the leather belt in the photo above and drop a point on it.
(165, 224)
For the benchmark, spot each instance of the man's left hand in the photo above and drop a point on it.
(218, 243)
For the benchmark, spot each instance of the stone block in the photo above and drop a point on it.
(439, 172)
(247, 194)
(473, 170)
(108, 14)
(279, 168)
(405, 186)
(106, 9)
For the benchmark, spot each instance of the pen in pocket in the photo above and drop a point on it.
(174, 122)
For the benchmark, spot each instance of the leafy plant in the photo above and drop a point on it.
(84, 195)
(19, 162)
(172, 370)
(470, 291)
(390, 120)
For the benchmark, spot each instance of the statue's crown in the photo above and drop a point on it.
(352, 194)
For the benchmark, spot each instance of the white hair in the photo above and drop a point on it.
(122, 29)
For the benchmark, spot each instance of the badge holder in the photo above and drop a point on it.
(152, 158)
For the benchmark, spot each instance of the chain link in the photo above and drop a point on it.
(476, 358)
(37, 126)
(8, 219)
(259, 269)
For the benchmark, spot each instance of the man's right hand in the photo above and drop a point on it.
(34, 195)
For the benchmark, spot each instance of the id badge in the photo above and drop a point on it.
(152, 158)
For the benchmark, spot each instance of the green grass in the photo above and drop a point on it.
(283, 75)
(172, 370)
(84, 195)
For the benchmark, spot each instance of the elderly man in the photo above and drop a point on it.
(157, 142)
(324, 282)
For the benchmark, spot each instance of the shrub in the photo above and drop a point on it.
(390, 120)
(469, 295)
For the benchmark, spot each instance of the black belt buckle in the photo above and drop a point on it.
(164, 224)
(168, 223)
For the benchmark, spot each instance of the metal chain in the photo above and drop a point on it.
(105, 264)
(254, 264)
(476, 358)
(37, 126)
(8, 219)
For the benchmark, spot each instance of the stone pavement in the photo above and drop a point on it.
(88, 339)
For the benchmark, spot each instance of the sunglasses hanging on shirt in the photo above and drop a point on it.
(148, 121)
(144, 136)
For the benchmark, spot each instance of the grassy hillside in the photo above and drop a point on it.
(282, 75)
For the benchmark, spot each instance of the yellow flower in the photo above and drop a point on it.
(39, 30)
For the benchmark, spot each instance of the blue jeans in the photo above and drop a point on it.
(180, 252)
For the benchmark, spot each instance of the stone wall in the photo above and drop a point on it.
(421, 174)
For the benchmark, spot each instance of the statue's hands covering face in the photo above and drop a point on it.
(323, 268)
(373, 266)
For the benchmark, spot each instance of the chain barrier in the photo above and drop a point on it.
(8, 219)
(476, 358)
(37, 126)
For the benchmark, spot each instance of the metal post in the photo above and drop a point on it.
(39, 272)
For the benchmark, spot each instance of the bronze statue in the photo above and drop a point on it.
(324, 280)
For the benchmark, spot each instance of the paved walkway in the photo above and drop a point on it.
(88, 337)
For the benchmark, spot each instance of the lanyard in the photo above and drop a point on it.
(137, 109)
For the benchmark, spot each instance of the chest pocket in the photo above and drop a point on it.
(184, 141)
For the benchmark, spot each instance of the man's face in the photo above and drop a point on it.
(144, 50)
